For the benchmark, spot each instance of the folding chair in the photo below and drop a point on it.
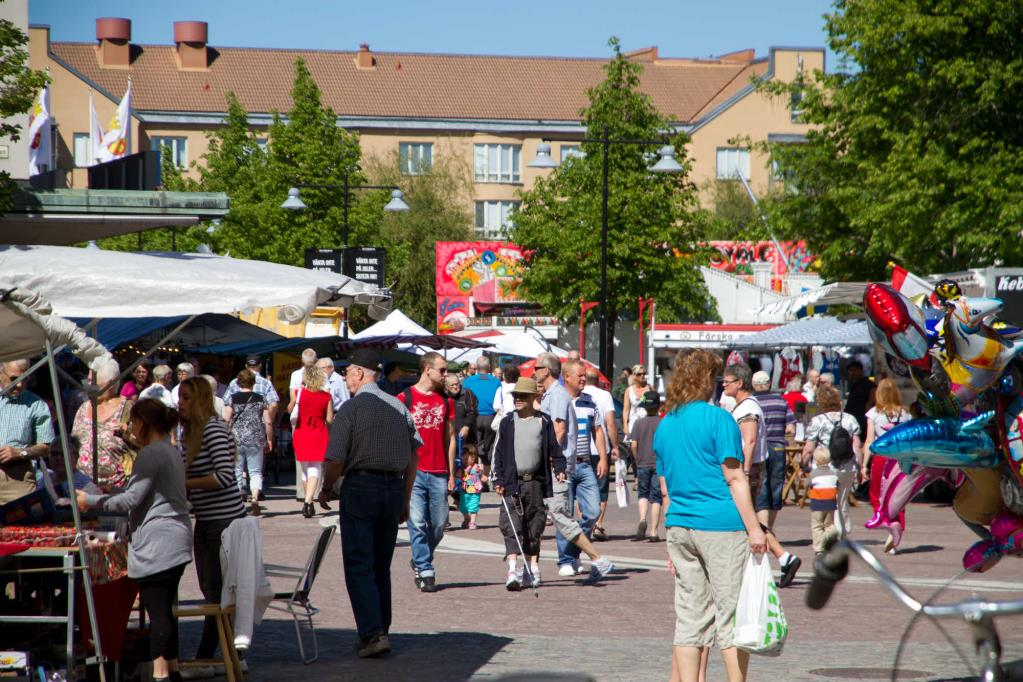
(296, 602)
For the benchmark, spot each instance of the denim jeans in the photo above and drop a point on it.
(370, 511)
(427, 516)
(584, 487)
(250, 458)
(769, 495)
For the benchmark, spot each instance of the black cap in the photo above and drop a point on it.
(364, 357)
(650, 399)
(254, 360)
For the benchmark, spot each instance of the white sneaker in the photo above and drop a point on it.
(514, 581)
(600, 568)
(566, 570)
(535, 572)
(242, 642)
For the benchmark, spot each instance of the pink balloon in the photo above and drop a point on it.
(897, 489)
(1007, 531)
(981, 556)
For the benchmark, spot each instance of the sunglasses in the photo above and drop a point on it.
(442, 370)
(522, 396)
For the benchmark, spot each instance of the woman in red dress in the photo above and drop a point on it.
(309, 438)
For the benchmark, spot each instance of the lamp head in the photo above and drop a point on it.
(293, 202)
(543, 158)
(397, 202)
(667, 162)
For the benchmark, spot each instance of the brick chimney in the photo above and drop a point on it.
(364, 58)
(113, 49)
(190, 39)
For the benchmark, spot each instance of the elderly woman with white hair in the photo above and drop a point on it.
(114, 458)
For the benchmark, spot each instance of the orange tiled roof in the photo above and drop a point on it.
(402, 84)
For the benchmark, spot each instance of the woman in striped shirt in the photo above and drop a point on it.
(212, 491)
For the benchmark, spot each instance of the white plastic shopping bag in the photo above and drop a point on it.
(621, 483)
(760, 626)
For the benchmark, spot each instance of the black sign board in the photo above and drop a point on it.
(326, 260)
(1009, 288)
(366, 264)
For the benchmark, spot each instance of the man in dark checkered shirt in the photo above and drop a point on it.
(373, 443)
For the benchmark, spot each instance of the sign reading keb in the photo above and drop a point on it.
(366, 264)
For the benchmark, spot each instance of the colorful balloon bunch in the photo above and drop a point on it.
(964, 365)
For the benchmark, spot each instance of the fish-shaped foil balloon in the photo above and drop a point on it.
(940, 442)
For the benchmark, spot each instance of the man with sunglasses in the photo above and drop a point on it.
(433, 413)
(26, 432)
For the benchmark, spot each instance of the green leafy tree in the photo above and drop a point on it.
(653, 220)
(18, 88)
(916, 154)
(734, 216)
(439, 198)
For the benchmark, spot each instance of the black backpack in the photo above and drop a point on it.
(840, 447)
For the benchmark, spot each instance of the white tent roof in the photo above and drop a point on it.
(95, 283)
(829, 294)
(809, 331)
(519, 344)
(396, 323)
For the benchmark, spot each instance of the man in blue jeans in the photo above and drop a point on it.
(373, 442)
(433, 413)
(582, 482)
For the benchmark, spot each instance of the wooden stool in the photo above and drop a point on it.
(225, 633)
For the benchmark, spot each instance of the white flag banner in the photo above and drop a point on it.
(39, 134)
(116, 140)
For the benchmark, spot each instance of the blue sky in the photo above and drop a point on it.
(570, 28)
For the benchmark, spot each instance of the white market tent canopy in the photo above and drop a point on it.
(92, 283)
(396, 323)
(519, 344)
(849, 293)
(809, 331)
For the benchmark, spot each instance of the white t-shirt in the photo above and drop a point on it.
(297, 377)
(606, 405)
(821, 426)
(883, 423)
(726, 402)
(750, 409)
(159, 392)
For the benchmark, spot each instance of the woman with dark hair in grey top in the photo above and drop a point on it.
(161, 534)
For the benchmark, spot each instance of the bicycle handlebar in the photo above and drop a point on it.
(833, 566)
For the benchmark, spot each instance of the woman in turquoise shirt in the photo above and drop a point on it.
(711, 524)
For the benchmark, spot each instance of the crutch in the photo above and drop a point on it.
(525, 560)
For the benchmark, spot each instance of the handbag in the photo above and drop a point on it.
(124, 433)
(294, 410)
(760, 625)
(621, 483)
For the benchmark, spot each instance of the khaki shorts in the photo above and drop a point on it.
(708, 575)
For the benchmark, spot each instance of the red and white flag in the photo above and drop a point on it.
(39, 135)
(908, 284)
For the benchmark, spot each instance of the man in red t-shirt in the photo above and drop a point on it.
(433, 413)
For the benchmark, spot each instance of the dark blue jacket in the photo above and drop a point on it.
(504, 471)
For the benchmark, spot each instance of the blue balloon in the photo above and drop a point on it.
(940, 442)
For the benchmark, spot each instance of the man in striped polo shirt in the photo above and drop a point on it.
(779, 422)
(583, 478)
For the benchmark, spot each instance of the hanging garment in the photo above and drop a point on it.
(788, 363)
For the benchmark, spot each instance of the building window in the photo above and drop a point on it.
(796, 106)
(177, 147)
(571, 151)
(498, 162)
(261, 143)
(415, 157)
(732, 163)
(83, 150)
(492, 218)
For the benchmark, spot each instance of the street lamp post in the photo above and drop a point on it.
(395, 205)
(666, 163)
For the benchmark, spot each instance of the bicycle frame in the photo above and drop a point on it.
(978, 614)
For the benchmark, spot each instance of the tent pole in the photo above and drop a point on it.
(69, 469)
